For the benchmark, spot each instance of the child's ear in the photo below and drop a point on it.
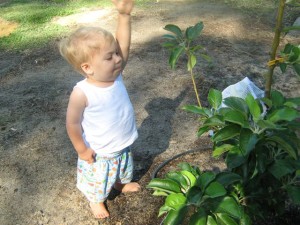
(87, 69)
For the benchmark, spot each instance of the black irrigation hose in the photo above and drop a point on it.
(160, 166)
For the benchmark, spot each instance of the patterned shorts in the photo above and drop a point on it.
(96, 180)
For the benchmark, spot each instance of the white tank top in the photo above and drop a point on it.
(108, 121)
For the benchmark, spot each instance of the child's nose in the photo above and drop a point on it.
(118, 58)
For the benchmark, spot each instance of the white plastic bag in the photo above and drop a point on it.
(241, 89)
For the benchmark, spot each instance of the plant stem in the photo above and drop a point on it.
(278, 29)
(195, 88)
(192, 75)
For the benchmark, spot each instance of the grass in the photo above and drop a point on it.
(33, 19)
(35, 29)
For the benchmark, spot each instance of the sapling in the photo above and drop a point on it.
(183, 43)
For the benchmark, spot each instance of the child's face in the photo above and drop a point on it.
(106, 64)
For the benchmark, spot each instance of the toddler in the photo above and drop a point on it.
(100, 119)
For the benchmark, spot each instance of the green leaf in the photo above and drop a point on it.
(174, 29)
(214, 121)
(165, 185)
(281, 168)
(284, 114)
(163, 209)
(245, 220)
(189, 33)
(185, 166)
(277, 98)
(222, 111)
(229, 206)
(175, 54)
(170, 37)
(191, 62)
(195, 48)
(234, 158)
(215, 98)
(294, 193)
(227, 178)
(286, 146)
(237, 103)
(160, 193)
(194, 195)
(253, 107)
(197, 172)
(211, 221)
(221, 149)
(283, 67)
(169, 45)
(175, 217)
(288, 48)
(294, 55)
(224, 219)
(261, 162)
(198, 28)
(267, 102)
(296, 67)
(205, 179)
(226, 133)
(206, 57)
(202, 130)
(214, 190)
(295, 100)
(175, 201)
(198, 218)
(197, 110)
(189, 177)
(236, 117)
(179, 178)
(266, 124)
(248, 141)
(290, 105)
(193, 32)
(193, 169)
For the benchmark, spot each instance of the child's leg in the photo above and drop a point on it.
(94, 181)
(99, 210)
(123, 183)
(129, 187)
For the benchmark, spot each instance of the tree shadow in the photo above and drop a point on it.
(155, 132)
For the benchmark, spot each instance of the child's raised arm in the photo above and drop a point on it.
(123, 34)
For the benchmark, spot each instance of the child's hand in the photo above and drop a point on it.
(88, 155)
(124, 6)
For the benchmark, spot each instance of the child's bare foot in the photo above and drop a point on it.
(130, 187)
(99, 210)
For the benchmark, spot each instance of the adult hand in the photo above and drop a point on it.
(124, 6)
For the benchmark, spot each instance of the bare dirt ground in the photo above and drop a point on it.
(38, 163)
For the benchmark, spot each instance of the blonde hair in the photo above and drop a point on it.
(80, 46)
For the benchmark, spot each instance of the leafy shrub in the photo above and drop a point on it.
(258, 141)
(202, 195)
(257, 138)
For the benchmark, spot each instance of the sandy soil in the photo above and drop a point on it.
(38, 163)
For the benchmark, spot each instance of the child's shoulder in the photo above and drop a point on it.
(78, 97)
(81, 83)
